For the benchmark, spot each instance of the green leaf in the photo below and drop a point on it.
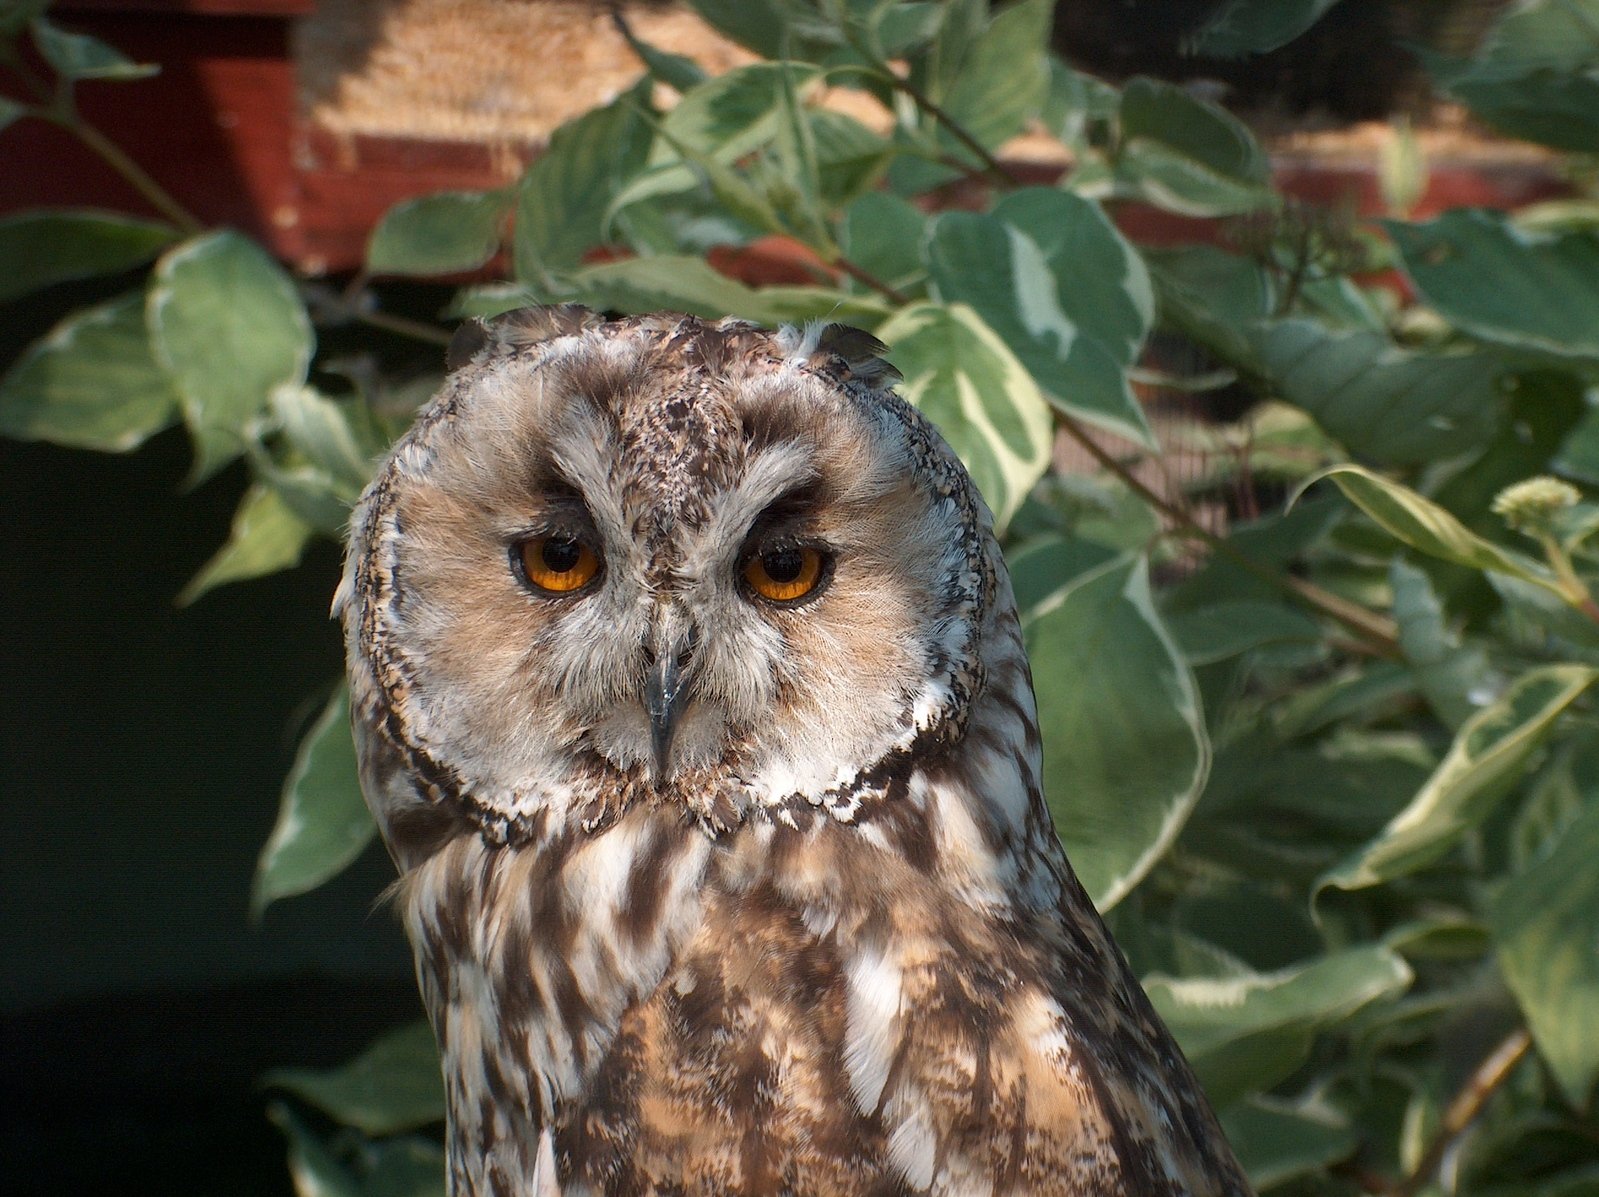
(850, 158)
(1002, 82)
(567, 191)
(40, 249)
(228, 327)
(323, 824)
(334, 436)
(394, 1085)
(1051, 275)
(1240, 27)
(1077, 104)
(1449, 673)
(774, 29)
(671, 282)
(1004, 77)
(1392, 406)
(11, 111)
(16, 15)
(1427, 527)
(1188, 155)
(1543, 923)
(737, 112)
(962, 376)
(882, 234)
(79, 56)
(678, 72)
(1484, 763)
(1279, 1141)
(1213, 297)
(1536, 294)
(1125, 749)
(1246, 1033)
(1217, 631)
(444, 233)
(312, 1167)
(91, 383)
(266, 537)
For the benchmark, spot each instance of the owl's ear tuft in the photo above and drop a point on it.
(517, 329)
(466, 342)
(858, 350)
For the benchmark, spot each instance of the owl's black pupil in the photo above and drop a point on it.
(560, 555)
(784, 565)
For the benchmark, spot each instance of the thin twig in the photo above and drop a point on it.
(1486, 1080)
(1374, 630)
(111, 154)
(922, 100)
(869, 280)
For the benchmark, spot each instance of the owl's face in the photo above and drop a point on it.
(659, 555)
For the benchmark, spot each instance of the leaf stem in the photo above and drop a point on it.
(871, 281)
(1000, 173)
(1573, 589)
(114, 157)
(1375, 631)
(355, 307)
(1486, 1080)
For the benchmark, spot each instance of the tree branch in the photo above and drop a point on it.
(1482, 1084)
(1375, 631)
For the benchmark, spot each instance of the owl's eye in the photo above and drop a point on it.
(558, 563)
(786, 574)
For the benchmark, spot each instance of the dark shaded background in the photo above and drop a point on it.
(142, 748)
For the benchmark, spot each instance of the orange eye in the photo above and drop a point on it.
(783, 575)
(558, 563)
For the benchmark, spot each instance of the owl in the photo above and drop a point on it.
(691, 702)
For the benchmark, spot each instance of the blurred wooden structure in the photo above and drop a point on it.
(302, 121)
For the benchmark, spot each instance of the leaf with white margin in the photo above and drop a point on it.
(91, 383)
(964, 378)
(1483, 764)
(1051, 275)
(1246, 1033)
(1427, 527)
(266, 537)
(1125, 749)
(228, 327)
(323, 823)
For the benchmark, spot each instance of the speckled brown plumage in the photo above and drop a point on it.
(823, 943)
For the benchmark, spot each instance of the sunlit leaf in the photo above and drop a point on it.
(79, 56)
(42, 248)
(671, 282)
(1484, 762)
(323, 823)
(1051, 275)
(964, 378)
(1188, 155)
(445, 233)
(266, 537)
(1427, 527)
(394, 1085)
(1125, 748)
(1249, 1032)
(229, 328)
(567, 191)
(91, 383)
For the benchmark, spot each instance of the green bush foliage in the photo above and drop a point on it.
(1333, 772)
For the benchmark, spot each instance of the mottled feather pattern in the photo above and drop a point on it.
(836, 947)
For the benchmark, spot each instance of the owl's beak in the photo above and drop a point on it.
(666, 694)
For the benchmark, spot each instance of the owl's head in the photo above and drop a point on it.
(658, 559)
